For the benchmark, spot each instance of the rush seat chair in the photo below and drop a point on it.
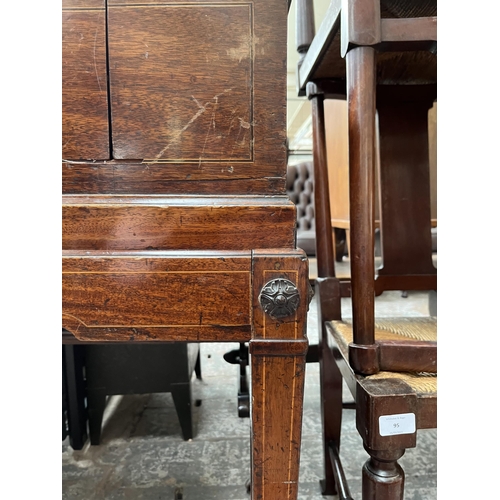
(381, 57)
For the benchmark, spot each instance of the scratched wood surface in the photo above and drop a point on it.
(137, 296)
(85, 127)
(197, 103)
(135, 223)
(278, 349)
(191, 87)
(178, 93)
(115, 177)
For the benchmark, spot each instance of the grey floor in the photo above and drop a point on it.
(143, 456)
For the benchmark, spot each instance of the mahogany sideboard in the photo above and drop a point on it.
(176, 223)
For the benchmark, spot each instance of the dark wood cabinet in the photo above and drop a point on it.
(176, 225)
(196, 93)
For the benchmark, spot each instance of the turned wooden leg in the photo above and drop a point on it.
(383, 477)
(278, 349)
(360, 68)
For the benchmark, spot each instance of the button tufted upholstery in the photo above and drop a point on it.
(300, 189)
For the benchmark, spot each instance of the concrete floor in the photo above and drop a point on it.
(143, 456)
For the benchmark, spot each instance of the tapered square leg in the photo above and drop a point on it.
(278, 349)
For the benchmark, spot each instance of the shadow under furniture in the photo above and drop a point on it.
(74, 414)
(140, 369)
(95, 372)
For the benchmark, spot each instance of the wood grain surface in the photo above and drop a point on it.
(115, 177)
(197, 100)
(405, 186)
(142, 223)
(160, 234)
(84, 81)
(181, 81)
(195, 296)
(278, 372)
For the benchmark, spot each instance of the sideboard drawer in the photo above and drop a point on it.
(134, 296)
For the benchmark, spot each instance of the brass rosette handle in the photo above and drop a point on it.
(279, 298)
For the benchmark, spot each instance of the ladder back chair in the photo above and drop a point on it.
(381, 57)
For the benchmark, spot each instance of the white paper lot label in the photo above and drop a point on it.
(392, 425)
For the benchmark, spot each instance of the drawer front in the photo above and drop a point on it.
(157, 296)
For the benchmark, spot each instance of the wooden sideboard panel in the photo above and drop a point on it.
(197, 101)
(177, 223)
(84, 81)
(121, 178)
(194, 83)
(157, 295)
(181, 82)
(336, 132)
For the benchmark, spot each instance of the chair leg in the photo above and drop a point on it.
(322, 214)
(383, 477)
(331, 410)
(327, 293)
(181, 394)
(243, 392)
(96, 401)
(348, 242)
(360, 67)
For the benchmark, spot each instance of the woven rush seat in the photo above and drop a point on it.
(417, 328)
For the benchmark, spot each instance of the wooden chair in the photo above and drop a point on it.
(380, 58)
